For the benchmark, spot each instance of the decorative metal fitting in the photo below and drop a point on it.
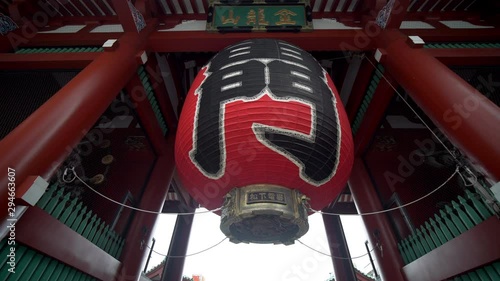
(264, 214)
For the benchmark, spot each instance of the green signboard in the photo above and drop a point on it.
(258, 17)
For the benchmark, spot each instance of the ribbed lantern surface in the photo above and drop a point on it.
(263, 112)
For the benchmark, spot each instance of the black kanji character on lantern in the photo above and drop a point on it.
(242, 72)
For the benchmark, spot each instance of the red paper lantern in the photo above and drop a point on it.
(263, 112)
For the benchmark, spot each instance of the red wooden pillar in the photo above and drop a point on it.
(359, 89)
(379, 230)
(174, 264)
(39, 144)
(142, 224)
(144, 110)
(465, 116)
(374, 115)
(341, 258)
(5, 46)
(158, 84)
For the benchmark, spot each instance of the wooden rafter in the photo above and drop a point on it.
(46, 61)
(398, 13)
(125, 15)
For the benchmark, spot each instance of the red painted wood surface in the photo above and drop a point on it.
(374, 115)
(378, 226)
(158, 84)
(455, 35)
(5, 45)
(142, 225)
(144, 110)
(317, 40)
(472, 56)
(53, 237)
(476, 247)
(342, 264)
(46, 61)
(124, 13)
(359, 88)
(174, 266)
(69, 40)
(466, 117)
(39, 144)
(398, 13)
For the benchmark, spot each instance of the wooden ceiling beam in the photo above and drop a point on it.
(322, 5)
(172, 20)
(205, 5)
(398, 13)
(471, 56)
(68, 40)
(346, 5)
(81, 8)
(5, 45)
(317, 40)
(46, 61)
(124, 15)
(369, 9)
(455, 35)
(436, 15)
(438, 6)
(183, 6)
(90, 5)
(194, 5)
(202, 41)
(374, 114)
(148, 8)
(60, 21)
(21, 8)
(105, 7)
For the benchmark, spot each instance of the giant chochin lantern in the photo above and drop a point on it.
(263, 134)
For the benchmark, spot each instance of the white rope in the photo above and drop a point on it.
(395, 208)
(340, 258)
(412, 109)
(188, 255)
(138, 209)
(472, 175)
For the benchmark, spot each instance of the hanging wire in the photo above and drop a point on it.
(340, 58)
(307, 204)
(188, 255)
(457, 170)
(220, 242)
(138, 209)
(340, 258)
(472, 175)
(412, 109)
(391, 209)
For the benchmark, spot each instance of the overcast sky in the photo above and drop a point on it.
(251, 262)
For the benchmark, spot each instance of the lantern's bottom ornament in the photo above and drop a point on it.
(264, 214)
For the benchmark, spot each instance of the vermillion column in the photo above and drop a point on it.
(39, 144)
(174, 263)
(140, 230)
(467, 118)
(5, 46)
(341, 258)
(379, 230)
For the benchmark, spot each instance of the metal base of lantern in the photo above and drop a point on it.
(264, 214)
